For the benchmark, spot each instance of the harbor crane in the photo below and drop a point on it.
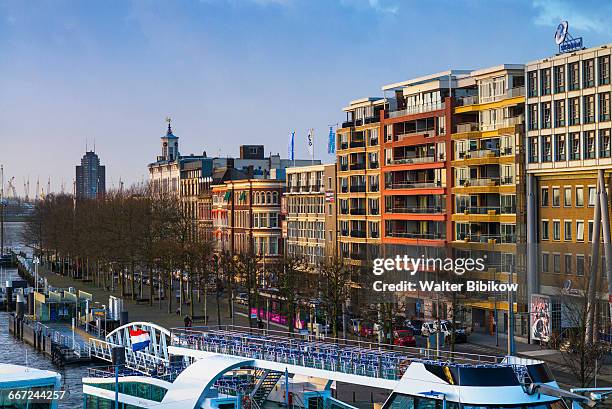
(12, 192)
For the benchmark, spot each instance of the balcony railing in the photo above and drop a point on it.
(358, 233)
(507, 180)
(416, 209)
(373, 141)
(475, 99)
(427, 133)
(479, 182)
(344, 189)
(344, 145)
(374, 188)
(487, 238)
(416, 110)
(413, 185)
(415, 235)
(344, 211)
(481, 153)
(358, 188)
(358, 211)
(358, 166)
(375, 211)
(479, 209)
(343, 167)
(404, 161)
(358, 144)
(373, 165)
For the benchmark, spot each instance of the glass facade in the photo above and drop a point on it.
(95, 402)
(137, 389)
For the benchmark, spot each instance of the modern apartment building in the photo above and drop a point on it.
(310, 212)
(488, 209)
(569, 161)
(247, 216)
(358, 181)
(416, 162)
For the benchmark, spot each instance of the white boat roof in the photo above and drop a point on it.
(17, 373)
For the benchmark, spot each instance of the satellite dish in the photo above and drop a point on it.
(561, 32)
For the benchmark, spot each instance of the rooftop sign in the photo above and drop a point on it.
(565, 41)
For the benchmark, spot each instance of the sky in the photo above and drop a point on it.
(233, 72)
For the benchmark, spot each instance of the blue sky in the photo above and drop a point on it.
(234, 71)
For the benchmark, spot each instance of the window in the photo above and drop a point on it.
(544, 196)
(545, 263)
(589, 145)
(556, 263)
(567, 197)
(579, 265)
(604, 70)
(567, 230)
(546, 115)
(574, 76)
(556, 200)
(546, 148)
(574, 111)
(545, 81)
(580, 230)
(588, 73)
(575, 146)
(533, 149)
(592, 196)
(545, 232)
(556, 230)
(559, 78)
(568, 264)
(560, 113)
(604, 106)
(560, 154)
(579, 197)
(604, 143)
(589, 109)
(590, 231)
(532, 83)
(533, 117)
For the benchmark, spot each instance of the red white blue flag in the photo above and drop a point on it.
(140, 339)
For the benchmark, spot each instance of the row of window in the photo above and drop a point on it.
(578, 197)
(573, 111)
(568, 231)
(306, 204)
(306, 229)
(567, 77)
(242, 197)
(568, 263)
(573, 146)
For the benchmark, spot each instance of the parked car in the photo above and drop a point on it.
(366, 329)
(404, 338)
(242, 298)
(431, 327)
(414, 325)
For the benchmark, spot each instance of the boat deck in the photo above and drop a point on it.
(350, 357)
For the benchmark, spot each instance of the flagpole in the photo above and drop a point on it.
(312, 139)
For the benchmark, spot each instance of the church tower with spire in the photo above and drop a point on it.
(170, 144)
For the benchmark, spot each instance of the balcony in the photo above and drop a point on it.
(344, 211)
(467, 127)
(507, 180)
(344, 145)
(374, 188)
(358, 144)
(504, 123)
(373, 165)
(358, 211)
(470, 100)
(419, 109)
(358, 166)
(375, 212)
(415, 235)
(374, 234)
(373, 141)
(405, 161)
(344, 189)
(475, 99)
(343, 167)
(358, 188)
(414, 185)
(415, 209)
(491, 210)
(344, 232)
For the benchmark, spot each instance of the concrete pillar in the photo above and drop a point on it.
(605, 221)
(532, 238)
(595, 239)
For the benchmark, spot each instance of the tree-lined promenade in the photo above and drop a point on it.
(147, 249)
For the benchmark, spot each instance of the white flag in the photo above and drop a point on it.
(310, 142)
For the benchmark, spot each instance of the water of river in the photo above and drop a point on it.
(15, 352)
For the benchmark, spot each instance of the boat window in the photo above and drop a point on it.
(401, 401)
(554, 405)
